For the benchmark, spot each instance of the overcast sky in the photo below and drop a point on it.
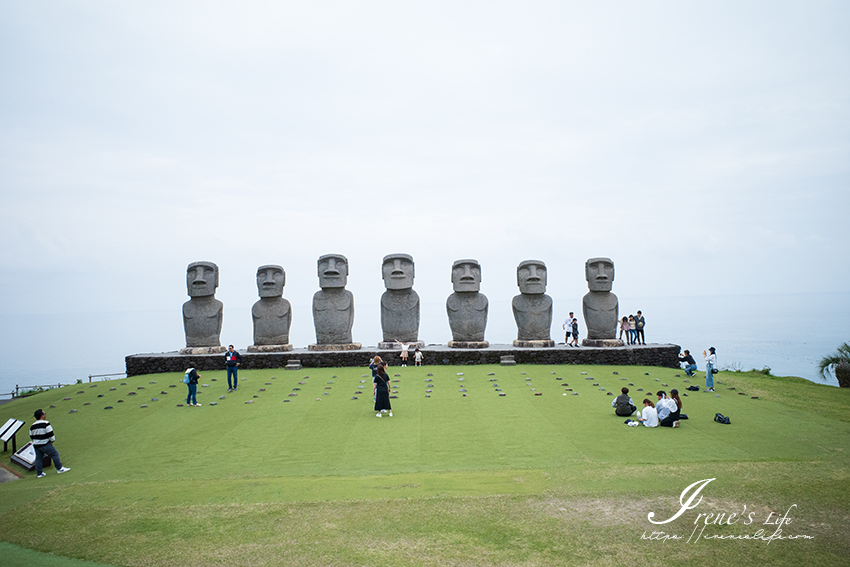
(703, 146)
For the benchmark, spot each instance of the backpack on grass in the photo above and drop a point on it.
(720, 418)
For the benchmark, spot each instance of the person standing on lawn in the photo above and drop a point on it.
(382, 389)
(41, 433)
(710, 366)
(192, 397)
(233, 359)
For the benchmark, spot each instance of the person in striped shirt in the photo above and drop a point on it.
(41, 433)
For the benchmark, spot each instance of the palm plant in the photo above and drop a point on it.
(838, 363)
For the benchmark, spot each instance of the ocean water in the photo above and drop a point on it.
(788, 333)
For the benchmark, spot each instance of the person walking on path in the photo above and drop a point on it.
(233, 360)
(382, 388)
(690, 363)
(640, 322)
(710, 368)
(191, 380)
(41, 433)
(568, 328)
(575, 333)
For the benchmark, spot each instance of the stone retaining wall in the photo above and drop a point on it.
(650, 355)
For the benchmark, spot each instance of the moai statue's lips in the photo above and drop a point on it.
(467, 279)
(331, 274)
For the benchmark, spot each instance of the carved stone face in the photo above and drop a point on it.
(599, 273)
(333, 271)
(398, 271)
(531, 277)
(466, 275)
(270, 280)
(201, 279)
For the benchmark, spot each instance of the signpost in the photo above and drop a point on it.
(9, 430)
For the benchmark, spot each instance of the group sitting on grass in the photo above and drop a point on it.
(666, 412)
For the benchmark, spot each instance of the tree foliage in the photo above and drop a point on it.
(837, 363)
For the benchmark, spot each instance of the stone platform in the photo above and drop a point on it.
(637, 355)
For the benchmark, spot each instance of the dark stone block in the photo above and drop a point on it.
(664, 355)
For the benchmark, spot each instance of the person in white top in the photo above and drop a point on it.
(404, 352)
(568, 328)
(649, 416)
(710, 365)
(664, 406)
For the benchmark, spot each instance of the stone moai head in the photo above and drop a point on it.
(531, 277)
(466, 275)
(270, 280)
(398, 271)
(333, 271)
(599, 273)
(201, 279)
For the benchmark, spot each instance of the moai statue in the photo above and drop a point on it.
(600, 306)
(272, 314)
(399, 304)
(202, 314)
(466, 307)
(532, 308)
(333, 306)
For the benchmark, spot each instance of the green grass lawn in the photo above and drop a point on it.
(306, 475)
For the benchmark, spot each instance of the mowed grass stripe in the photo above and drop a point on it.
(338, 436)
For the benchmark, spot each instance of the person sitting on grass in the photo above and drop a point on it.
(650, 416)
(664, 406)
(672, 419)
(623, 404)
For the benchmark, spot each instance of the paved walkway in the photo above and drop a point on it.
(6, 475)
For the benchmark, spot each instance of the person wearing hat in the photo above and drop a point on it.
(710, 365)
